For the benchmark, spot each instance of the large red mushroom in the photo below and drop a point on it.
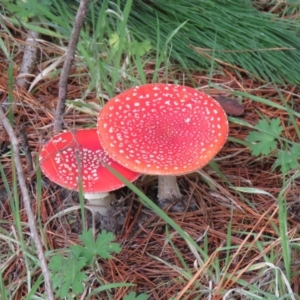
(71, 159)
(163, 129)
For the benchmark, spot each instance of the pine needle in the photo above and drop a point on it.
(230, 31)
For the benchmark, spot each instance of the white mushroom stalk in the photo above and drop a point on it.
(99, 202)
(168, 188)
(74, 159)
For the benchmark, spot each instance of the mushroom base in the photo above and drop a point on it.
(168, 188)
(99, 202)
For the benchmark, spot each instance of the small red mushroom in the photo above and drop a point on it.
(73, 158)
(163, 129)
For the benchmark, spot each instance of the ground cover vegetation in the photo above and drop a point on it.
(240, 240)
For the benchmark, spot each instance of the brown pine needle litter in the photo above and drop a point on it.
(149, 257)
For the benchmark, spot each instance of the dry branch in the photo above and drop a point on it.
(26, 200)
(26, 68)
(63, 81)
(26, 149)
(29, 57)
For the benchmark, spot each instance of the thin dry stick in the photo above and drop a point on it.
(29, 57)
(63, 81)
(26, 69)
(26, 201)
(26, 149)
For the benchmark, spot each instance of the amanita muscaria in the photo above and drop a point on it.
(163, 129)
(73, 158)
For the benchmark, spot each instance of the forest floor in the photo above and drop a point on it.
(235, 216)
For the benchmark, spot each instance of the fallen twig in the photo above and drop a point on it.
(27, 65)
(26, 200)
(63, 81)
(26, 149)
(28, 59)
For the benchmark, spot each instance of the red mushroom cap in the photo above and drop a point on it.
(65, 154)
(162, 129)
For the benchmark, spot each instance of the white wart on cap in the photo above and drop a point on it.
(162, 129)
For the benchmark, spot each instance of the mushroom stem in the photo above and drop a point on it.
(99, 202)
(168, 188)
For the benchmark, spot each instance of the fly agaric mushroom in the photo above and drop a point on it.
(73, 158)
(163, 129)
